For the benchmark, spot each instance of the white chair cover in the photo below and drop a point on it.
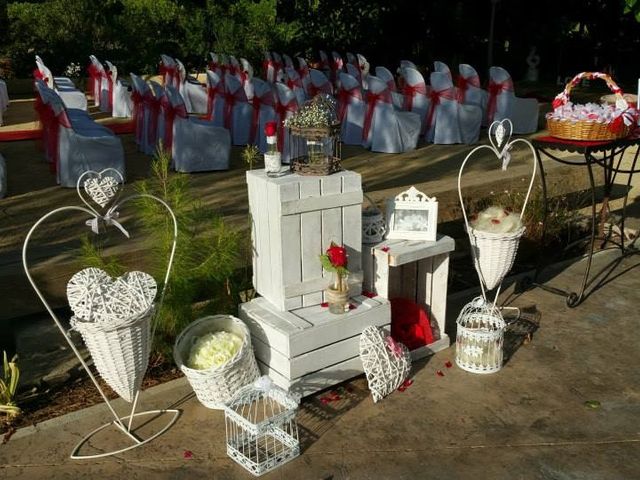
(279, 66)
(469, 88)
(155, 127)
(238, 113)
(295, 83)
(269, 68)
(407, 64)
(64, 87)
(214, 64)
(351, 109)
(337, 66)
(502, 103)
(364, 67)
(325, 64)
(355, 72)
(3, 177)
(106, 87)
(447, 120)
(142, 97)
(352, 59)
(263, 106)
(386, 129)
(441, 67)
(196, 145)
(303, 72)
(215, 99)
(169, 71)
(319, 83)
(288, 63)
(286, 105)
(385, 74)
(121, 94)
(97, 84)
(415, 93)
(193, 92)
(83, 144)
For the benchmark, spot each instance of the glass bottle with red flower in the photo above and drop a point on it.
(272, 157)
(337, 294)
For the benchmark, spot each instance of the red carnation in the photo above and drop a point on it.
(270, 129)
(337, 255)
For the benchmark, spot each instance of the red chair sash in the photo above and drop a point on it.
(138, 114)
(94, 74)
(230, 99)
(344, 99)
(109, 76)
(212, 94)
(153, 104)
(372, 100)
(256, 103)
(293, 83)
(435, 96)
(268, 69)
(303, 72)
(170, 113)
(410, 91)
(51, 124)
(463, 84)
(281, 112)
(495, 89)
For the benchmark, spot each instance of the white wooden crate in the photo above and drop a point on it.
(294, 219)
(413, 269)
(306, 349)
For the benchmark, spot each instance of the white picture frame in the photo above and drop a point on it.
(412, 215)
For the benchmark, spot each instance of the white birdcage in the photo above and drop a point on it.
(262, 432)
(480, 337)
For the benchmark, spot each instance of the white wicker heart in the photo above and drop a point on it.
(101, 187)
(114, 319)
(386, 363)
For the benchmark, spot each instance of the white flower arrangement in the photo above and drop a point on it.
(588, 112)
(73, 70)
(320, 111)
(213, 350)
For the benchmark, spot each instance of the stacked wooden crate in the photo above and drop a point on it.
(297, 341)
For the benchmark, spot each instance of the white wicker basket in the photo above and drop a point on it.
(217, 385)
(480, 337)
(494, 254)
(120, 354)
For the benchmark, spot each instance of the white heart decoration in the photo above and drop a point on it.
(386, 363)
(500, 135)
(95, 297)
(102, 187)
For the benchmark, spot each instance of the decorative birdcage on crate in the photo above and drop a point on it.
(262, 432)
(480, 337)
(218, 384)
(315, 138)
(480, 324)
(374, 225)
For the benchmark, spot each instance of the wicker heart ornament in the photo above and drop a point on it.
(386, 362)
(95, 297)
(101, 187)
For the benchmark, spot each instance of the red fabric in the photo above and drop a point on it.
(110, 90)
(256, 102)
(303, 71)
(410, 91)
(170, 113)
(495, 89)
(344, 99)
(577, 143)
(392, 85)
(410, 324)
(372, 100)
(138, 114)
(293, 83)
(277, 67)
(168, 74)
(463, 85)
(213, 66)
(230, 99)
(281, 112)
(152, 104)
(94, 75)
(38, 74)
(336, 66)
(268, 70)
(212, 94)
(434, 97)
(51, 124)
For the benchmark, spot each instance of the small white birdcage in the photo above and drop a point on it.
(480, 337)
(262, 432)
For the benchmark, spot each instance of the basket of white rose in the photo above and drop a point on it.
(216, 356)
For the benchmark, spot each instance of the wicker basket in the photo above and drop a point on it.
(494, 254)
(586, 129)
(217, 385)
(120, 354)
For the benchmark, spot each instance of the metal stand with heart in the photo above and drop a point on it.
(116, 318)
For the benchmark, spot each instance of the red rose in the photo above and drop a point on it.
(270, 129)
(337, 255)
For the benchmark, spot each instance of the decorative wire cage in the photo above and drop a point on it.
(374, 225)
(262, 432)
(480, 337)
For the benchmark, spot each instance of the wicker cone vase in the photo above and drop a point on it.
(120, 354)
(215, 386)
(494, 254)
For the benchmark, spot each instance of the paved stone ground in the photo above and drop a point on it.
(529, 421)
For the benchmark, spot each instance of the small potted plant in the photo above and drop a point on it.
(337, 294)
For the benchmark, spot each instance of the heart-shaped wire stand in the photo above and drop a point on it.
(105, 192)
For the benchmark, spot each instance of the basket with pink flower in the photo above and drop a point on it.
(591, 121)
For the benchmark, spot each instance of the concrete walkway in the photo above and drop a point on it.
(529, 421)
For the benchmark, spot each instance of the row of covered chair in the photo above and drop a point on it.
(73, 141)
(110, 92)
(4, 99)
(65, 88)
